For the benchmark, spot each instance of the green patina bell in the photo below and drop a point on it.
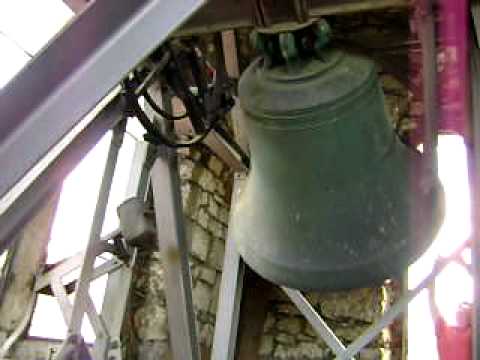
(334, 200)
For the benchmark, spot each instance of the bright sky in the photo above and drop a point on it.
(27, 25)
(454, 285)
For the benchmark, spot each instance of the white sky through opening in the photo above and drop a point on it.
(454, 285)
(25, 27)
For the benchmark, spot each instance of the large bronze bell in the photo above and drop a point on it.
(334, 200)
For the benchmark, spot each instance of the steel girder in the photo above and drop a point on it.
(70, 76)
(74, 72)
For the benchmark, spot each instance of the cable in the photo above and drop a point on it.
(205, 108)
(154, 134)
(160, 111)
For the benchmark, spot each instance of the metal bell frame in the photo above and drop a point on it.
(232, 277)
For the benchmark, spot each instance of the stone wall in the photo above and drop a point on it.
(206, 188)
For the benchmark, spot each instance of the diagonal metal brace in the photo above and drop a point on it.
(316, 321)
(399, 307)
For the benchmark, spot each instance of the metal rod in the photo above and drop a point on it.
(139, 171)
(99, 326)
(167, 199)
(61, 296)
(68, 265)
(426, 21)
(316, 321)
(229, 44)
(231, 288)
(113, 313)
(99, 216)
(115, 302)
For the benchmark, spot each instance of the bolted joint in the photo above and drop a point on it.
(291, 43)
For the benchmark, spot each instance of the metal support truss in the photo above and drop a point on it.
(172, 242)
(316, 321)
(228, 313)
(88, 59)
(80, 305)
(29, 195)
(107, 325)
(117, 290)
(52, 282)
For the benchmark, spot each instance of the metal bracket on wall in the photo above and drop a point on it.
(82, 301)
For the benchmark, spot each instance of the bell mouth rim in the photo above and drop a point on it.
(401, 253)
(270, 271)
